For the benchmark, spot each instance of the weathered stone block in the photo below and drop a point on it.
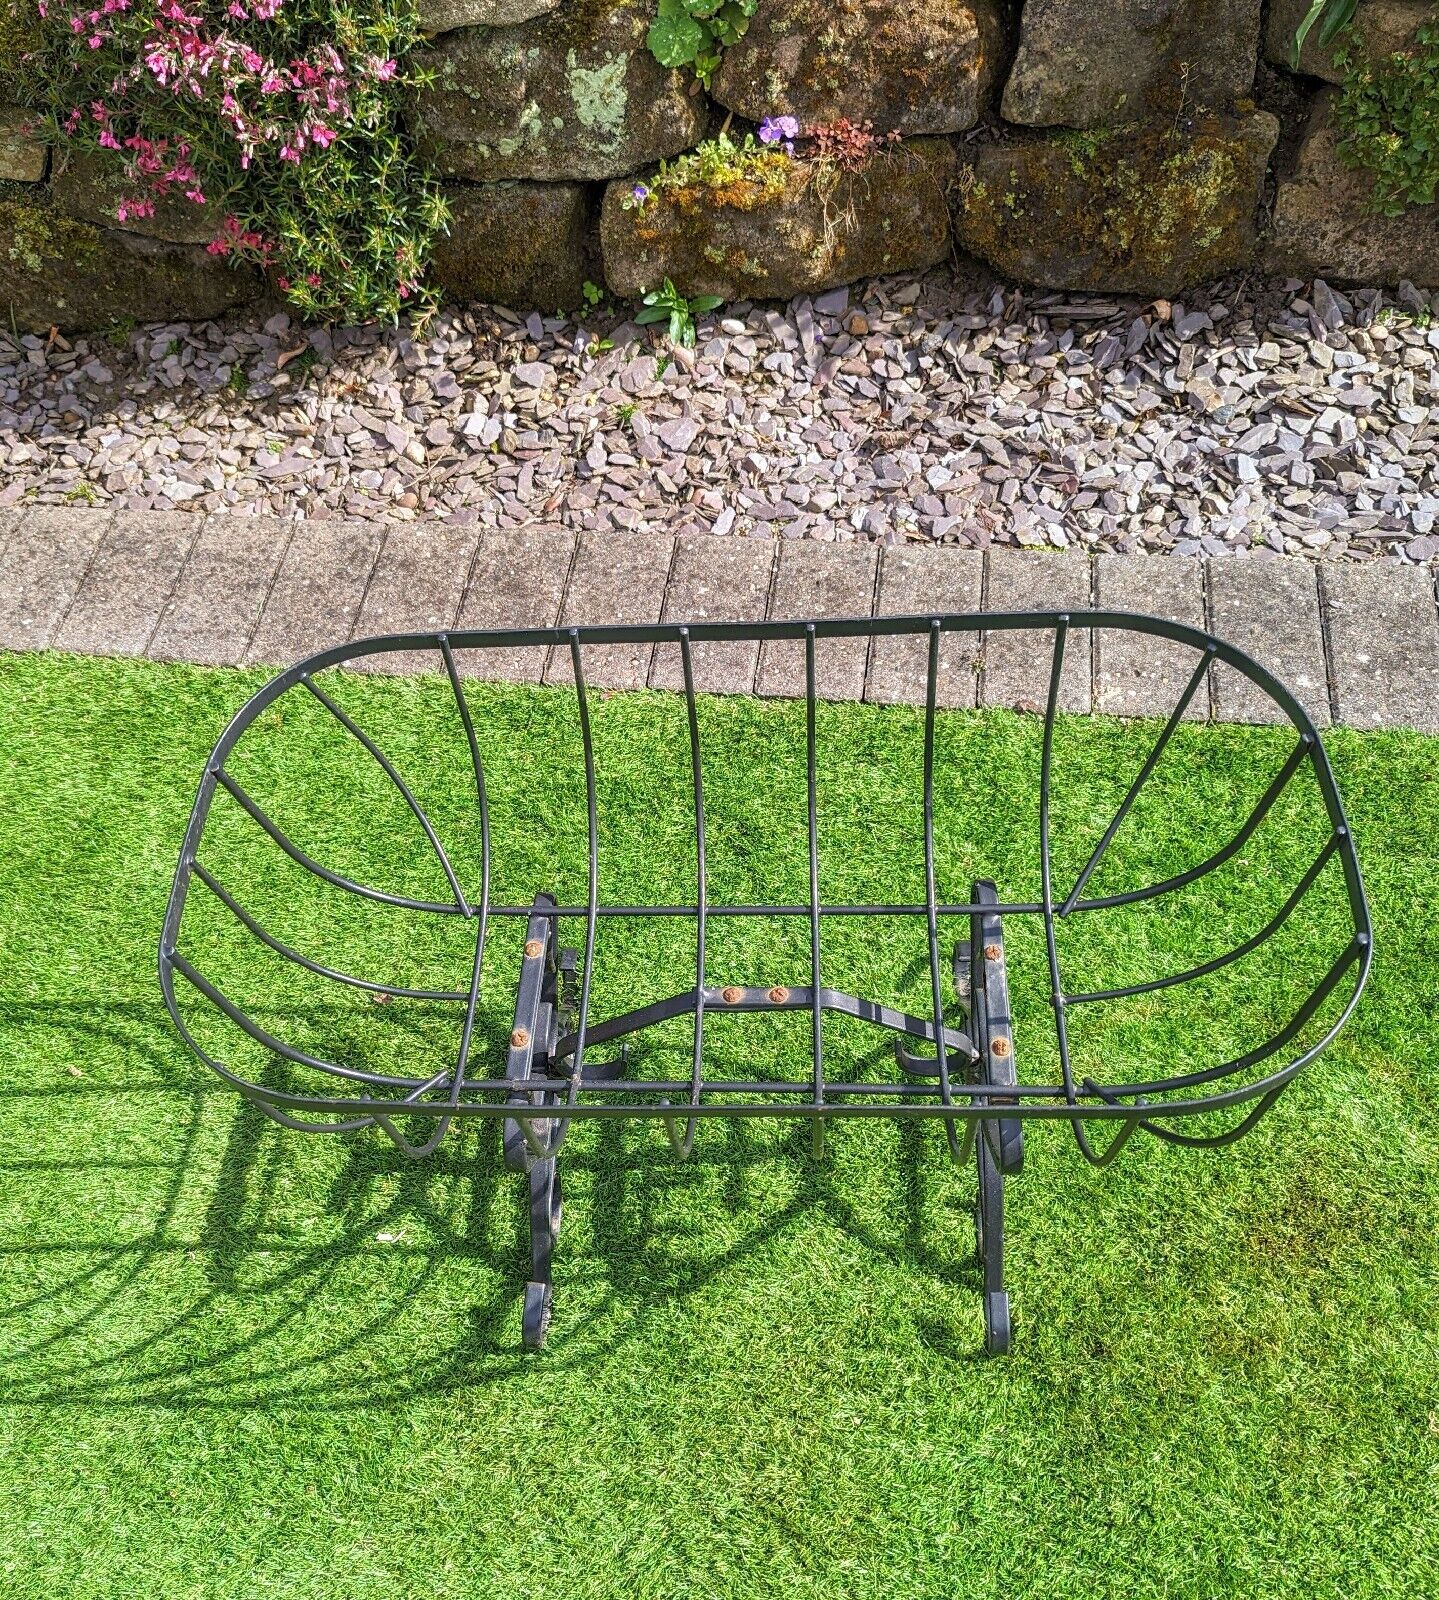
(22, 156)
(1379, 28)
(1325, 224)
(1132, 211)
(518, 244)
(1088, 65)
(821, 231)
(442, 16)
(925, 67)
(573, 95)
(92, 187)
(58, 272)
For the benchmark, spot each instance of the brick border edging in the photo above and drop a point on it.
(1359, 644)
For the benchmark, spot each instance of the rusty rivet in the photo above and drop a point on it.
(520, 1038)
(779, 994)
(1000, 1047)
(533, 948)
(992, 952)
(731, 996)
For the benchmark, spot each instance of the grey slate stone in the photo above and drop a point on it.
(1384, 644)
(216, 604)
(1136, 674)
(317, 591)
(1270, 610)
(812, 581)
(923, 580)
(1017, 662)
(615, 579)
(46, 558)
(417, 586)
(716, 579)
(517, 581)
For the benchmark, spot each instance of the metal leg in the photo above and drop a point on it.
(989, 1229)
(543, 1011)
(1000, 1145)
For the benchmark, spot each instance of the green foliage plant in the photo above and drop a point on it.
(667, 304)
(1388, 116)
(694, 33)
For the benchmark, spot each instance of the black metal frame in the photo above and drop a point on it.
(970, 1083)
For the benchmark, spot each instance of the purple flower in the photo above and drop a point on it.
(780, 130)
(640, 193)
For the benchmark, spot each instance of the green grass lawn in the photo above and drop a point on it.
(237, 1361)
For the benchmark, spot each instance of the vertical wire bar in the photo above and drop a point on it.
(481, 797)
(1061, 1029)
(701, 887)
(582, 700)
(931, 919)
(817, 1015)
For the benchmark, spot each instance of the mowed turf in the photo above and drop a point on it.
(239, 1361)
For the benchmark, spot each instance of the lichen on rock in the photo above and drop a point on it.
(443, 16)
(572, 95)
(1139, 210)
(1082, 64)
(824, 227)
(23, 156)
(518, 244)
(926, 67)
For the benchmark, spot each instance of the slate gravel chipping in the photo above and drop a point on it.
(1259, 418)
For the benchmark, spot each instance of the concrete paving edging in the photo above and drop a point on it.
(1358, 644)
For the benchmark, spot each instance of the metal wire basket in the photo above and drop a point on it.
(564, 1060)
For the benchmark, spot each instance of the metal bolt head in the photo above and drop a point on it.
(1000, 1047)
(779, 994)
(731, 996)
(533, 948)
(992, 952)
(520, 1038)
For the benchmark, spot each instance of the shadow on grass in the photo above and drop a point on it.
(231, 1263)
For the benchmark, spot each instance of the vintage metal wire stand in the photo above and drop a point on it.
(966, 1077)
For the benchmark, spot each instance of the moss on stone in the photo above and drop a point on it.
(1137, 209)
(818, 228)
(58, 271)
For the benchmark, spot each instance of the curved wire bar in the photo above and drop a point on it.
(563, 1097)
(1151, 761)
(296, 854)
(249, 920)
(388, 767)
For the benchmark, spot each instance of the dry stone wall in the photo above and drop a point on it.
(1129, 146)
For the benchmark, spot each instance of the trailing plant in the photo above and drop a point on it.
(667, 304)
(279, 117)
(695, 33)
(1388, 117)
